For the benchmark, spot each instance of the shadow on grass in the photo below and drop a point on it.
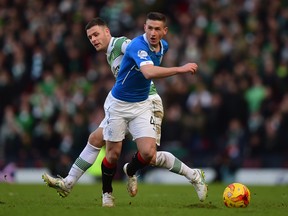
(202, 205)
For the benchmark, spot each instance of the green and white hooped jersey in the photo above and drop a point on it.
(115, 51)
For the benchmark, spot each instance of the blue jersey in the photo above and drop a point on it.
(131, 85)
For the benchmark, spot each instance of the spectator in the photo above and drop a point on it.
(51, 78)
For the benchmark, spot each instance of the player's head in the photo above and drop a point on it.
(155, 27)
(98, 34)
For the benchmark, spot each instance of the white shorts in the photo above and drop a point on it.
(158, 112)
(120, 116)
(104, 122)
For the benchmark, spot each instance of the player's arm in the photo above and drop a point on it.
(138, 52)
(153, 72)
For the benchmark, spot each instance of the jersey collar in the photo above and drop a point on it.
(110, 46)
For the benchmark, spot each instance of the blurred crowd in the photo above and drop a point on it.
(233, 113)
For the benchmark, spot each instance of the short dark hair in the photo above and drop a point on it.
(156, 16)
(95, 22)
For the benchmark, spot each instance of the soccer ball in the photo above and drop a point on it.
(236, 195)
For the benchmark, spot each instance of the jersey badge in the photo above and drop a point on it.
(142, 54)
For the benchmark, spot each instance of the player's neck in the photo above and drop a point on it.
(156, 48)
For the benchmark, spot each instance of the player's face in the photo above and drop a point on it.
(99, 37)
(155, 30)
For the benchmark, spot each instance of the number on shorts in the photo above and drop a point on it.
(152, 120)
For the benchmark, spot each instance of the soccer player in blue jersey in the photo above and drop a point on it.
(127, 107)
(99, 35)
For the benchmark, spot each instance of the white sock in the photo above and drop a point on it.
(85, 160)
(169, 161)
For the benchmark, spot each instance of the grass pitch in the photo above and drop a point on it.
(174, 200)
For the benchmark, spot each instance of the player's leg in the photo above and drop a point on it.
(142, 158)
(195, 176)
(142, 128)
(113, 133)
(85, 160)
(109, 168)
(146, 150)
(168, 161)
(87, 157)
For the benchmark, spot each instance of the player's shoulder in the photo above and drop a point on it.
(165, 43)
(137, 42)
(121, 40)
(116, 44)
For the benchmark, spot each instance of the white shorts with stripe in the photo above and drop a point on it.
(137, 117)
(158, 112)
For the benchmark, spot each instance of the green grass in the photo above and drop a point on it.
(174, 200)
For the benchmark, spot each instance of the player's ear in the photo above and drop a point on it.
(165, 30)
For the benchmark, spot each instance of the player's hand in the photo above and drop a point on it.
(190, 68)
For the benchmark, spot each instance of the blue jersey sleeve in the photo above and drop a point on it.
(138, 51)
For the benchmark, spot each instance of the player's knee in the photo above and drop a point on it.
(148, 155)
(95, 140)
(112, 157)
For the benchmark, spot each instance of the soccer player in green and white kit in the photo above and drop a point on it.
(99, 35)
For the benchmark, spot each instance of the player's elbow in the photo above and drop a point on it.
(148, 75)
(147, 72)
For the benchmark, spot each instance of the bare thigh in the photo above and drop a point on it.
(96, 138)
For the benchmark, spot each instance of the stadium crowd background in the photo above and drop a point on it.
(233, 114)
